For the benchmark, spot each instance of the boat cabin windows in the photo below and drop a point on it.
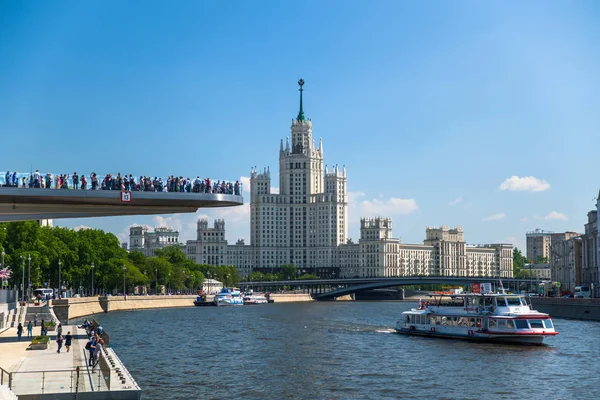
(514, 301)
(462, 321)
(536, 324)
(500, 302)
(521, 324)
(548, 323)
(501, 323)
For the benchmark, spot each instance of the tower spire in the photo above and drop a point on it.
(301, 113)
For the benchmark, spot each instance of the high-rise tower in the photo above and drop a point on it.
(305, 222)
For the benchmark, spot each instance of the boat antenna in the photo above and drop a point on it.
(501, 287)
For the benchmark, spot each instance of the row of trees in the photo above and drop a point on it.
(520, 263)
(44, 253)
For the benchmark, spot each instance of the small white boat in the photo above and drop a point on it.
(251, 298)
(228, 297)
(493, 317)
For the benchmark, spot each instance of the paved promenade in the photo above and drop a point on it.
(45, 372)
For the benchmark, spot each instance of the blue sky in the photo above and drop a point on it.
(479, 114)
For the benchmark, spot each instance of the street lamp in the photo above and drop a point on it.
(124, 270)
(92, 279)
(156, 281)
(29, 277)
(59, 281)
(23, 283)
(3, 254)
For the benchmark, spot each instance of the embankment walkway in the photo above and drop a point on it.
(46, 374)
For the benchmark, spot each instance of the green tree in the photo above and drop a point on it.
(519, 261)
(288, 272)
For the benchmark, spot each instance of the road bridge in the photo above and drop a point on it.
(22, 204)
(329, 289)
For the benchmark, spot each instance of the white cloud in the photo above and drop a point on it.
(80, 227)
(524, 219)
(516, 241)
(554, 216)
(393, 206)
(245, 181)
(456, 201)
(495, 217)
(526, 183)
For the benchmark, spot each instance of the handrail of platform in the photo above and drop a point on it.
(5, 378)
(13, 382)
(70, 186)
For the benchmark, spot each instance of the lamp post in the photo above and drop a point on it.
(23, 282)
(124, 270)
(59, 281)
(156, 281)
(92, 279)
(29, 277)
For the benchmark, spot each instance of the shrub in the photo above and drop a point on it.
(50, 323)
(40, 340)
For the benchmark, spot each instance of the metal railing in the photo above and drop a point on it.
(33, 382)
(151, 185)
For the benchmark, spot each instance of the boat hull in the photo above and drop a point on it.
(527, 339)
(225, 303)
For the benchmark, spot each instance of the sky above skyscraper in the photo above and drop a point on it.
(477, 114)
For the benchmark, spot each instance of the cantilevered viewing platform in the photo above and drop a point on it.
(24, 203)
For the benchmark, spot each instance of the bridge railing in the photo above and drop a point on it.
(27, 180)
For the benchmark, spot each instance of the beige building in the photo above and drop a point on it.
(145, 241)
(539, 271)
(443, 253)
(538, 245)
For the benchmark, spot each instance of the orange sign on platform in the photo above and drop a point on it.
(476, 288)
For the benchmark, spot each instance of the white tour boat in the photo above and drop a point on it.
(251, 298)
(228, 297)
(493, 317)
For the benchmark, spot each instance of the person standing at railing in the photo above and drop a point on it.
(75, 180)
(59, 341)
(83, 182)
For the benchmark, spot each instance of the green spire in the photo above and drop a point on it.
(301, 113)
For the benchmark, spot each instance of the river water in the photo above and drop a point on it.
(339, 350)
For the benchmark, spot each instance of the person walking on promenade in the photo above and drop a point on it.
(19, 331)
(35, 318)
(91, 347)
(59, 329)
(29, 329)
(42, 329)
(59, 342)
(68, 340)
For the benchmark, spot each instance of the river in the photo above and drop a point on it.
(339, 350)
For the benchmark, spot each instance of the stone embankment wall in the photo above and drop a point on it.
(557, 307)
(66, 309)
(290, 297)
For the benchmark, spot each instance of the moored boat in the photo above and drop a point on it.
(251, 298)
(227, 297)
(493, 317)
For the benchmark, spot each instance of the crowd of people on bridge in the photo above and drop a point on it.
(121, 182)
